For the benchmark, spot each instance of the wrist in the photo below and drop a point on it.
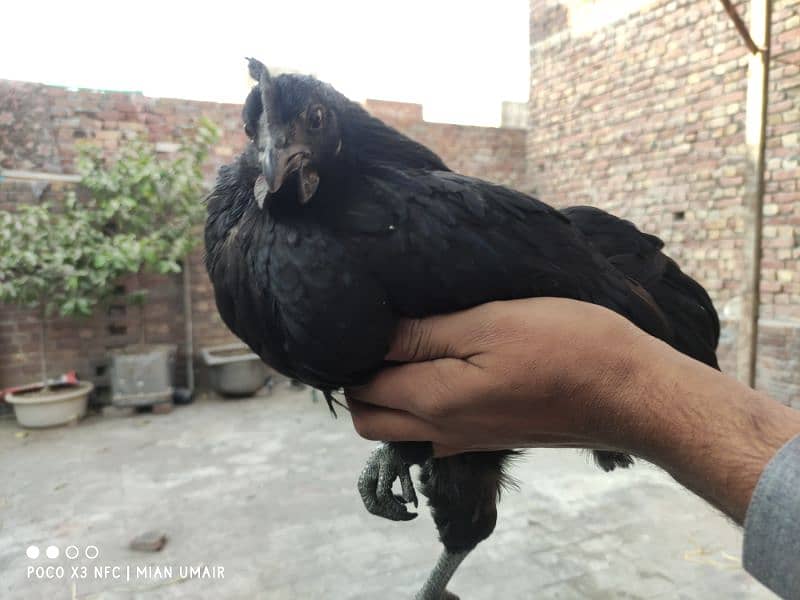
(624, 387)
(713, 434)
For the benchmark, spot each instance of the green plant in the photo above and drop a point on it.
(155, 199)
(57, 259)
(138, 214)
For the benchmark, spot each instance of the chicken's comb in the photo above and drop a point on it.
(258, 70)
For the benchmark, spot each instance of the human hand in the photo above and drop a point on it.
(535, 372)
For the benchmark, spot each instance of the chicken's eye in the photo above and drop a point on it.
(315, 118)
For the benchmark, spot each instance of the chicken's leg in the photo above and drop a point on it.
(462, 492)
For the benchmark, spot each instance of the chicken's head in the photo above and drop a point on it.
(292, 121)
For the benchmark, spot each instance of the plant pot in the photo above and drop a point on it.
(142, 375)
(234, 370)
(59, 405)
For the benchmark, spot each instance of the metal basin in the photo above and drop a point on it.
(234, 370)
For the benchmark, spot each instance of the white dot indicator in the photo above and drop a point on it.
(52, 552)
(32, 552)
(72, 552)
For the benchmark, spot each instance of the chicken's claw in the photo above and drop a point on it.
(375, 485)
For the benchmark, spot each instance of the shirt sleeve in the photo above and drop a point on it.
(772, 525)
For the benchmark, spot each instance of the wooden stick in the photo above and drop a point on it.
(741, 27)
(753, 195)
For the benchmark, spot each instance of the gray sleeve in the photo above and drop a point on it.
(772, 526)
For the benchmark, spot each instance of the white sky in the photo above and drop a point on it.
(460, 59)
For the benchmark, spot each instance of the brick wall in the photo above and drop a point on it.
(644, 116)
(39, 127)
(496, 154)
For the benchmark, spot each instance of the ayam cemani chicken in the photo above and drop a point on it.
(331, 226)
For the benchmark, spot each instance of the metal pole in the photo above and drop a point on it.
(755, 138)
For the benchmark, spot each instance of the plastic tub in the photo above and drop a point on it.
(57, 406)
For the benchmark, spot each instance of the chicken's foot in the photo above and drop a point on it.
(375, 485)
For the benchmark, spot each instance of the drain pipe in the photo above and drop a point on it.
(187, 319)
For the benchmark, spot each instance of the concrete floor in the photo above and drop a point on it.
(265, 489)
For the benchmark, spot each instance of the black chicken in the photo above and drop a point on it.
(331, 226)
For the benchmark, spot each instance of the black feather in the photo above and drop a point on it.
(638, 255)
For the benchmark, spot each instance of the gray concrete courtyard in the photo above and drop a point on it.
(264, 490)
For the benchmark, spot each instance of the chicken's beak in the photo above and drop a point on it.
(278, 165)
(260, 191)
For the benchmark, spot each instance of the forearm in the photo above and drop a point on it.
(713, 434)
